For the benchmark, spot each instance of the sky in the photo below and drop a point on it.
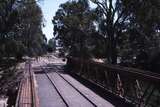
(49, 7)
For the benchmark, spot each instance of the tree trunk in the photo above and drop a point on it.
(114, 53)
(112, 47)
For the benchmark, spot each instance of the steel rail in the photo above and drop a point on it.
(76, 89)
(53, 83)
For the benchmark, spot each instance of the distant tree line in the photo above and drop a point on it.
(124, 29)
(51, 47)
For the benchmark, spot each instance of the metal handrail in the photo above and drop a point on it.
(137, 86)
(140, 74)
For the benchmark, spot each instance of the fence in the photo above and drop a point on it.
(141, 88)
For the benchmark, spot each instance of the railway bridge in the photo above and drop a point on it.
(50, 82)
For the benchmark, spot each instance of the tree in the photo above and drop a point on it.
(141, 34)
(126, 24)
(51, 45)
(112, 20)
(21, 23)
(73, 23)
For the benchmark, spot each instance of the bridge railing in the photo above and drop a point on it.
(27, 96)
(141, 88)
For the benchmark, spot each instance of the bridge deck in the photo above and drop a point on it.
(52, 87)
(58, 89)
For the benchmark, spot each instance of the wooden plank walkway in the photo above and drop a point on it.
(27, 96)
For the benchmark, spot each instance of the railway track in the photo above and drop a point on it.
(53, 84)
(54, 89)
(68, 102)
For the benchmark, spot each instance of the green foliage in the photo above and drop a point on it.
(142, 30)
(51, 45)
(128, 26)
(115, 28)
(20, 30)
(73, 23)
